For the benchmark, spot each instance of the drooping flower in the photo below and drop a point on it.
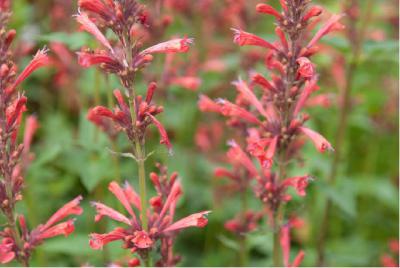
(319, 141)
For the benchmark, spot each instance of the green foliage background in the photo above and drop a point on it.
(72, 156)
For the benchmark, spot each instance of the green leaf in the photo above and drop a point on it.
(343, 195)
(230, 243)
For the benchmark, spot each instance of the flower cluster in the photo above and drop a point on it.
(17, 242)
(269, 112)
(124, 57)
(161, 225)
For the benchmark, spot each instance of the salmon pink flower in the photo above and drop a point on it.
(163, 132)
(306, 69)
(320, 142)
(91, 28)
(285, 244)
(300, 183)
(207, 105)
(315, 11)
(232, 110)
(86, 59)
(160, 225)
(172, 46)
(331, 25)
(188, 82)
(267, 9)
(7, 253)
(39, 60)
(248, 39)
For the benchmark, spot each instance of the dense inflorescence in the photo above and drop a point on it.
(17, 240)
(269, 112)
(134, 113)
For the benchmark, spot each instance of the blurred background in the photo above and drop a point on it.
(72, 156)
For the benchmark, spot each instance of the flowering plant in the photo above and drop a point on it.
(272, 121)
(124, 57)
(17, 241)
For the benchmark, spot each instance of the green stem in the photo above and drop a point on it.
(277, 251)
(142, 182)
(242, 237)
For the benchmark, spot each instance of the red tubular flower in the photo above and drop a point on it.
(172, 46)
(188, 82)
(233, 110)
(283, 4)
(39, 60)
(163, 132)
(300, 183)
(101, 111)
(310, 86)
(315, 11)
(306, 69)
(282, 37)
(142, 240)
(119, 193)
(194, 220)
(95, 6)
(86, 59)
(285, 244)
(249, 95)
(262, 81)
(7, 253)
(71, 208)
(97, 241)
(91, 28)
(223, 172)
(248, 39)
(267, 163)
(320, 142)
(237, 155)
(64, 228)
(132, 196)
(332, 25)
(31, 126)
(103, 210)
(207, 105)
(51, 229)
(267, 9)
(151, 88)
(14, 112)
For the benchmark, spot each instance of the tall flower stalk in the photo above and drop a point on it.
(273, 117)
(124, 57)
(17, 241)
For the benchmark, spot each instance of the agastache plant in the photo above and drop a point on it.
(272, 116)
(134, 113)
(17, 241)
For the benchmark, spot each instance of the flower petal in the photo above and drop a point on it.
(194, 220)
(71, 208)
(103, 210)
(319, 141)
